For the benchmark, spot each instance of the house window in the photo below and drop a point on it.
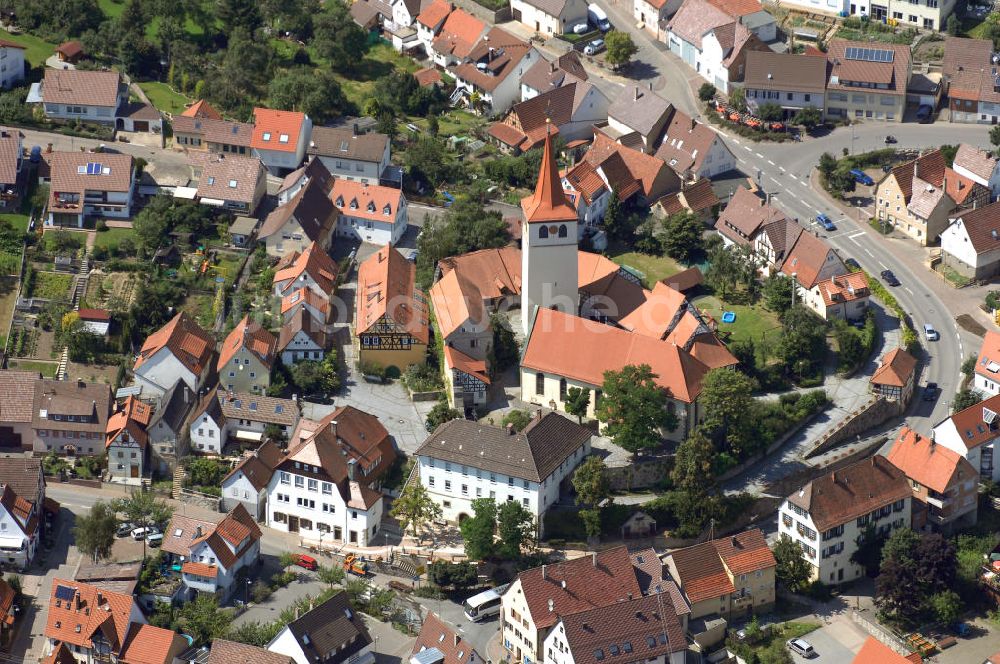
(285, 478)
(539, 383)
(300, 481)
(327, 488)
(562, 230)
(562, 389)
(313, 485)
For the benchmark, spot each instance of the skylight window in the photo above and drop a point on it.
(267, 136)
(283, 138)
(232, 184)
(211, 180)
(598, 654)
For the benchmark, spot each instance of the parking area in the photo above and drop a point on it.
(835, 642)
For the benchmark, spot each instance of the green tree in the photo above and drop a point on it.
(683, 236)
(802, 346)
(964, 399)
(337, 37)
(946, 606)
(331, 575)
(590, 481)
(439, 414)
(793, 569)
(726, 398)
(459, 575)
(706, 92)
(770, 112)
(777, 291)
(693, 464)
(315, 92)
(738, 99)
(205, 472)
(466, 227)
(94, 532)
(478, 529)
(517, 419)
(850, 349)
(316, 377)
(591, 522)
(504, 352)
(614, 218)
(516, 528)
(634, 408)
(287, 559)
(995, 136)
(869, 551)
(827, 164)
(620, 47)
(414, 508)
(428, 157)
(203, 619)
(577, 402)
(255, 633)
(809, 117)
(953, 25)
(723, 271)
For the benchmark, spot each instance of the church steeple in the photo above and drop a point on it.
(548, 203)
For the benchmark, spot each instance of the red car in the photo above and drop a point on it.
(307, 562)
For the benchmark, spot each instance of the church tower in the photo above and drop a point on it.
(548, 245)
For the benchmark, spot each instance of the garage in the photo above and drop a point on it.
(140, 125)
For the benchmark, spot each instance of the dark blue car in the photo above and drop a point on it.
(825, 222)
(861, 177)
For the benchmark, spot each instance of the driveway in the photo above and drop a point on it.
(835, 643)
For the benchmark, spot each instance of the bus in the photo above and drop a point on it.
(485, 604)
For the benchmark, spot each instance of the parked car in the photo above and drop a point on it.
(124, 529)
(598, 17)
(853, 265)
(889, 278)
(861, 177)
(306, 562)
(890, 139)
(925, 113)
(155, 539)
(581, 29)
(931, 391)
(930, 332)
(139, 534)
(594, 47)
(825, 222)
(802, 647)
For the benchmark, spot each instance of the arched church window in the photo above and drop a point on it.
(543, 232)
(562, 231)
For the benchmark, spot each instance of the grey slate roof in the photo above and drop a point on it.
(533, 454)
(174, 407)
(21, 474)
(329, 626)
(639, 109)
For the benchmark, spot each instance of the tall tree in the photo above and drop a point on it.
(316, 93)
(240, 14)
(726, 398)
(694, 463)
(577, 402)
(634, 408)
(777, 291)
(94, 532)
(516, 528)
(203, 619)
(683, 236)
(590, 480)
(337, 37)
(478, 529)
(414, 508)
(802, 346)
(793, 569)
(620, 47)
(723, 271)
(144, 509)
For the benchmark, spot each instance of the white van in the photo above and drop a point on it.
(485, 604)
(598, 17)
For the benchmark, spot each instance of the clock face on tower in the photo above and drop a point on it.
(553, 229)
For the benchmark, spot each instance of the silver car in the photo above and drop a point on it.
(594, 47)
(802, 647)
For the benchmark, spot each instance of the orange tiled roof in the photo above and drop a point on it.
(844, 288)
(251, 336)
(459, 34)
(896, 369)
(78, 610)
(185, 339)
(200, 569)
(434, 13)
(387, 279)
(313, 261)
(548, 203)
(201, 109)
(147, 644)
(704, 569)
(925, 462)
(367, 201)
(462, 362)
(276, 130)
(133, 418)
(306, 296)
(806, 259)
(875, 652)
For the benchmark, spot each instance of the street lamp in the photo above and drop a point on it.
(794, 281)
(246, 593)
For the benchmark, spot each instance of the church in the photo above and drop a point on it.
(580, 315)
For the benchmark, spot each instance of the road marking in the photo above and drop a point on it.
(792, 175)
(906, 288)
(960, 353)
(851, 238)
(748, 148)
(959, 337)
(856, 234)
(759, 155)
(884, 266)
(737, 141)
(770, 162)
(869, 253)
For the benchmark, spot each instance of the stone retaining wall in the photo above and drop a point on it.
(874, 412)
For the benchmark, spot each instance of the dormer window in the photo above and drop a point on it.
(387, 209)
(371, 206)
(354, 204)
(339, 202)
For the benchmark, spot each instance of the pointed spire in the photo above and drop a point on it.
(548, 203)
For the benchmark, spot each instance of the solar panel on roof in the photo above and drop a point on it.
(869, 54)
(65, 592)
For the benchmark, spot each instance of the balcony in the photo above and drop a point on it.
(743, 600)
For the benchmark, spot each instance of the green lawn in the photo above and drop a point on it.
(47, 369)
(752, 322)
(976, 28)
(17, 220)
(111, 8)
(37, 49)
(52, 286)
(653, 268)
(454, 122)
(111, 237)
(164, 98)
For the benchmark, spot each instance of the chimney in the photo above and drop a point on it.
(636, 95)
(562, 584)
(352, 466)
(197, 532)
(510, 432)
(76, 600)
(545, 569)
(100, 598)
(333, 428)
(552, 67)
(916, 168)
(594, 556)
(456, 639)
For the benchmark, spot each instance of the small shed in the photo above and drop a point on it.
(95, 321)
(241, 230)
(71, 51)
(685, 280)
(639, 524)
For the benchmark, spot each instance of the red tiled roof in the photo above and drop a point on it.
(200, 569)
(271, 126)
(704, 569)
(970, 424)
(844, 288)
(932, 465)
(427, 76)
(875, 652)
(807, 258)
(201, 109)
(434, 13)
(578, 585)
(131, 419)
(6, 602)
(988, 363)
(185, 339)
(896, 368)
(147, 644)
(252, 336)
(458, 360)
(435, 633)
(94, 314)
(386, 279)
(548, 203)
(75, 622)
(737, 8)
(314, 262)
(459, 34)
